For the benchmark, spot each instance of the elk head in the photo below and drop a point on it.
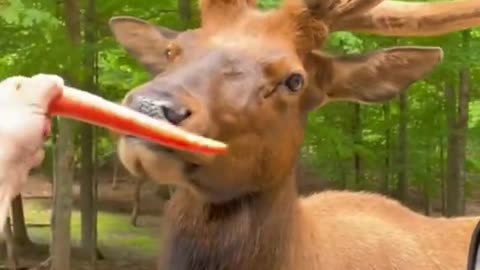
(249, 78)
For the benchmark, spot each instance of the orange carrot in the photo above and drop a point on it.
(92, 109)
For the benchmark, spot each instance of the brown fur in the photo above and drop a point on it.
(236, 76)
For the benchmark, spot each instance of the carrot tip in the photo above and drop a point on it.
(86, 107)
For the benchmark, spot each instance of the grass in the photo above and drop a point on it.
(114, 230)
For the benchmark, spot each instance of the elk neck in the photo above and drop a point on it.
(256, 231)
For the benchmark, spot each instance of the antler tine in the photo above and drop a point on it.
(335, 9)
(314, 18)
(396, 18)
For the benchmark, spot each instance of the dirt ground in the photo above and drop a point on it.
(118, 201)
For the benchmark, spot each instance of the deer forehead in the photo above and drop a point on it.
(252, 46)
(231, 53)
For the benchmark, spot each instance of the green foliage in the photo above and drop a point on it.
(18, 12)
(330, 142)
(34, 40)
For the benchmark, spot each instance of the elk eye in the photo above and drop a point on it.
(294, 82)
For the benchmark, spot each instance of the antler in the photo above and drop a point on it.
(396, 18)
(336, 9)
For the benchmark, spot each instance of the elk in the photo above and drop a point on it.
(249, 78)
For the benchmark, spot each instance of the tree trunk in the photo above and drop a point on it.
(342, 172)
(72, 21)
(453, 186)
(12, 256)
(87, 181)
(62, 198)
(443, 188)
(457, 118)
(427, 189)
(185, 12)
(386, 169)
(462, 122)
(86, 191)
(357, 139)
(63, 180)
(402, 184)
(428, 209)
(18, 220)
(115, 171)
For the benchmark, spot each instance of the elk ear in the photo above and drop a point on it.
(375, 77)
(144, 41)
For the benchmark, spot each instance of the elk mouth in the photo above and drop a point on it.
(166, 166)
(167, 159)
(150, 145)
(208, 177)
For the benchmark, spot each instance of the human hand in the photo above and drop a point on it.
(24, 126)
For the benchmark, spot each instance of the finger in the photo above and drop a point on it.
(41, 89)
(49, 87)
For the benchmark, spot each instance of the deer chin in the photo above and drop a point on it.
(146, 160)
(165, 166)
(184, 170)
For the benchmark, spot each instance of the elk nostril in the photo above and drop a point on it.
(175, 115)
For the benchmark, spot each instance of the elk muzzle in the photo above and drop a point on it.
(175, 107)
(168, 110)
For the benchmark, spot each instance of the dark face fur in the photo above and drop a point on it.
(249, 79)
